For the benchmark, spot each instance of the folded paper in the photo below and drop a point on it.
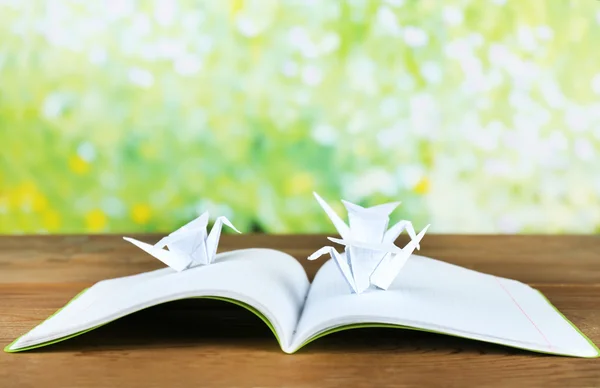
(370, 257)
(188, 246)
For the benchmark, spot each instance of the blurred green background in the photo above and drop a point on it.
(481, 116)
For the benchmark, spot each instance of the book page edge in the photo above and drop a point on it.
(393, 326)
(9, 349)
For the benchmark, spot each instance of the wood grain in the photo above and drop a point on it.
(208, 343)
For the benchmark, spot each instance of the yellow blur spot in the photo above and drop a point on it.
(78, 165)
(148, 150)
(141, 213)
(39, 202)
(236, 6)
(29, 198)
(301, 183)
(422, 187)
(95, 220)
(51, 220)
(25, 188)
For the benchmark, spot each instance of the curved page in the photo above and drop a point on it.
(270, 282)
(432, 295)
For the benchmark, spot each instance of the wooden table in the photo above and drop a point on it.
(207, 343)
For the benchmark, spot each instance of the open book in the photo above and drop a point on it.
(373, 283)
(427, 294)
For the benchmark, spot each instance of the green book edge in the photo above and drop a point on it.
(326, 332)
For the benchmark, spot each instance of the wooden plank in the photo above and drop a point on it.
(218, 344)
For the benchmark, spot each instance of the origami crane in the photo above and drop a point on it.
(189, 246)
(370, 256)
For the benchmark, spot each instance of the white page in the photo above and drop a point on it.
(433, 295)
(272, 282)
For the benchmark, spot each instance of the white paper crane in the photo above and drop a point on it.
(189, 246)
(370, 256)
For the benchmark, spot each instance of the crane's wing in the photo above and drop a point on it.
(201, 222)
(212, 241)
(380, 247)
(176, 260)
(391, 264)
(340, 225)
(392, 233)
(342, 262)
(186, 238)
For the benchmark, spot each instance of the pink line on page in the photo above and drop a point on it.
(523, 311)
